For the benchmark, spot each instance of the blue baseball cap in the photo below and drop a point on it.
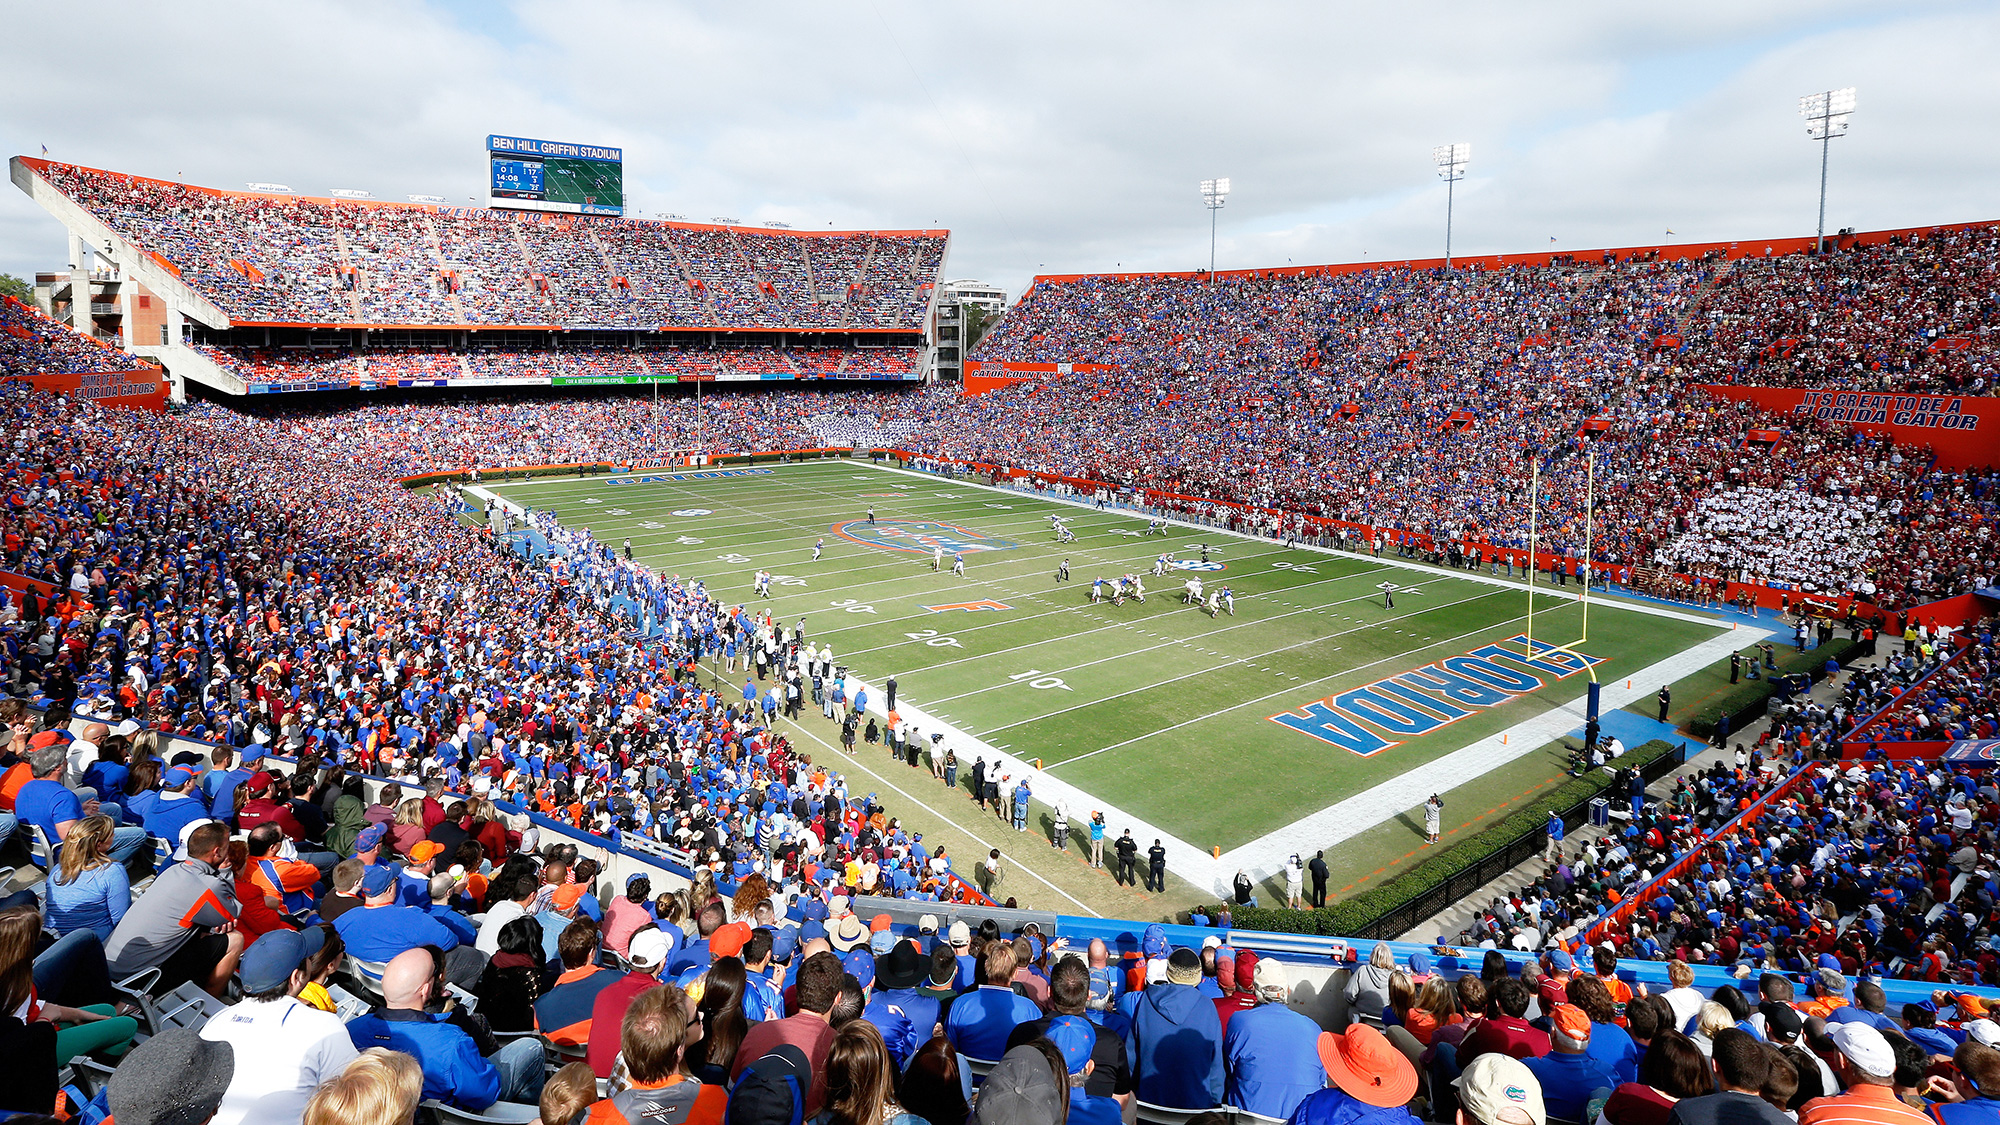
(860, 963)
(376, 879)
(370, 837)
(815, 910)
(1561, 960)
(272, 959)
(1075, 1037)
(179, 776)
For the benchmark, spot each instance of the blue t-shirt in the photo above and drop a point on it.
(47, 804)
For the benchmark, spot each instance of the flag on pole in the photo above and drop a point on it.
(45, 150)
(1552, 238)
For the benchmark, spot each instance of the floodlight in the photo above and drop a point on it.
(1214, 193)
(1826, 115)
(1451, 161)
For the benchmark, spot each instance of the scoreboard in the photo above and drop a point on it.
(555, 176)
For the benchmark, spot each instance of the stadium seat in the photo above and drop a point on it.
(1168, 1115)
(499, 1113)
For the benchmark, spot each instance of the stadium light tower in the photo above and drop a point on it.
(1214, 193)
(1826, 117)
(1451, 161)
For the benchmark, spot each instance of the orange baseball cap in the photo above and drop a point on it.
(729, 940)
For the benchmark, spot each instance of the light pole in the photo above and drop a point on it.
(1826, 117)
(1214, 193)
(1451, 161)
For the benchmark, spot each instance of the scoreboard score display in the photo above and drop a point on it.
(555, 176)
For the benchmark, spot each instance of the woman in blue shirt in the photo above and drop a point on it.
(87, 891)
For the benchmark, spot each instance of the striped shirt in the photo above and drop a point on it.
(1864, 1104)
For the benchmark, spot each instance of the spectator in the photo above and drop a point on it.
(981, 1020)
(1569, 1077)
(454, 1071)
(1682, 997)
(345, 893)
(647, 954)
(1609, 1044)
(1436, 1007)
(1867, 1071)
(174, 1078)
(1505, 1028)
(284, 1049)
(1371, 1081)
(1671, 1069)
(861, 1080)
(563, 1012)
(513, 979)
(1270, 1051)
(652, 1039)
(1742, 1067)
(1368, 984)
(568, 1095)
(1029, 1086)
(931, 1088)
(1967, 1100)
(1076, 1038)
(89, 1029)
(1069, 995)
(1175, 1040)
(88, 890)
(378, 1087)
(185, 923)
(1499, 1090)
(384, 929)
(627, 913)
(52, 807)
(819, 984)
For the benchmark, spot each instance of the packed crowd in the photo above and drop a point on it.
(32, 344)
(1915, 315)
(387, 982)
(387, 365)
(1891, 868)
(1423, 401)
(219, 578)
(289, 259)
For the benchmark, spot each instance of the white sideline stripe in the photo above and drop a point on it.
(1266, 855)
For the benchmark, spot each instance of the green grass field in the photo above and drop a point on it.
(1156, 708)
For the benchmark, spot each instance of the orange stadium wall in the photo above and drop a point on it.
(1963, 431)
(144, 388)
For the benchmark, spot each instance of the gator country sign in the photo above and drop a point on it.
(919, 537)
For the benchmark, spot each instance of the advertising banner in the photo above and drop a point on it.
(608, 380)
(1960, 428)
(144, 388)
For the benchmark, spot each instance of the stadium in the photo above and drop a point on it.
(1542, 684)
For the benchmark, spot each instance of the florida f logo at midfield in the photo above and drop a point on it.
(919, 537)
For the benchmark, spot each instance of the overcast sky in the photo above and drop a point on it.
(1050, 137)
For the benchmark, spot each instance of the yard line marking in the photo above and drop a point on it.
(1241, 660)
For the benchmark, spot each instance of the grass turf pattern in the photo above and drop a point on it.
(1155, 707)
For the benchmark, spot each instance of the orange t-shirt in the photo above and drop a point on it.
(16, 776)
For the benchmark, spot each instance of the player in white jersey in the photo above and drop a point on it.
(1193, 588)
(1064, 534)
(1138, 589)
(1214, 602)
(937, 558)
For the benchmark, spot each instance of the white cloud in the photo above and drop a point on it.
(1065, 135)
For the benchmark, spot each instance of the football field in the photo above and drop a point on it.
(1309, 716)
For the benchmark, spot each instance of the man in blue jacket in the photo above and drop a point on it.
(1271, 1050)
(1175, 1042)
(384, 929)
(454, 1071)
(980, 1021)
